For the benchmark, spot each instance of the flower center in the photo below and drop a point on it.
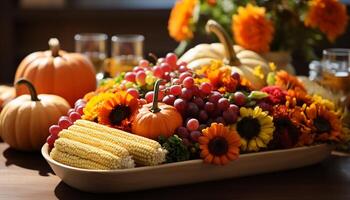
(218, 146)
(248, 127)
(287, 133)
(118, 114)
(322, 125)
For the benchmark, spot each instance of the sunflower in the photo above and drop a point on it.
(219, 144)
(287, 82)
(118, 111)
(179, 24)
(298, 98)
(329, 16)
(255, 128)
(252, 29)
(94, 103)
(325, 124)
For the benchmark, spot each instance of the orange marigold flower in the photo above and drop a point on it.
(118, 111)
(252, 29)
(219, 144)
(287, 81)
(298, 98)
(179, 25)
(329, 16)
(222, 80)
(326, 125)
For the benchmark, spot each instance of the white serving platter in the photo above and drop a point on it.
(193, 171)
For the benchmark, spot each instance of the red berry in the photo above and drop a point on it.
(171, 59)
(233, 108)
(223, 104)
(157, 71)
(169, 99)
(142, 101)
(51, 140)
(74, 116)
(70, 111)
(149, 96)
(240, 98)
(80, 102)
(186, 93)
(182, 68)
(188, 82)
(133, 92)
(80, 110)
(54, 130)
(195, 135)
(206, 88)
(165, 67)
(64, 122)
(175, 81)
(214, 98)
(137, 69)
(143, 63)
(130, 76)
(209, 107)
(175, 90)
(180, 105)
(182, 132)
(140, 78)
(192, 124)
(183, 75)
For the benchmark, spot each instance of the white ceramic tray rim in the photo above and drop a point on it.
(185, 172)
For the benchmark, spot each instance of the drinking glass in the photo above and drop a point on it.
(127, 51)
(335, 69)
(93, 46)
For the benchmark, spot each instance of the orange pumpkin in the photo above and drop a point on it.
(156, 119)
(7, 93)
(69, 75)
(25, 121)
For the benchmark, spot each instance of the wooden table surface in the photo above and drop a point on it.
(28, 176)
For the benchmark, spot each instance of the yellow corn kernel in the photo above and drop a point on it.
(93, 141)
(146, 153)
(84, 151)
(74, 161)
(118, 133)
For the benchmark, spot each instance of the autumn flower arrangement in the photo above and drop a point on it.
(262, 26)
(222, 116)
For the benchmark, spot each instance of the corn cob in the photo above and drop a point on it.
(118, 133)
(121, 152)
(74, 161)
(143, 150)
(80, 152)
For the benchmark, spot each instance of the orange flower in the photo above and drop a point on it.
(179, 24)
(219, 144)
(326, 125)
(287, 82)
(251, 28)
(329, 16)
(287, 132)
(298, 98)
(222, 80)
(118, 111)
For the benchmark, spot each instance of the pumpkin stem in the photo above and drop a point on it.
(31, 88)
(54, 45)
(213, 27)
(155, 107)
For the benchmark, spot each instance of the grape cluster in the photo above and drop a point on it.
(65, 122)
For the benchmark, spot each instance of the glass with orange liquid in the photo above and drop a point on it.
(94, 47)
(127, 51)
(336, 69)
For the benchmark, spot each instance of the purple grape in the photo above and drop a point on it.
(192, 109)
(180, 105)
(186, 93)
(223, 104)
(209, 107)
(194, 135)
(198, 101)
(203, 116)
(182, 132)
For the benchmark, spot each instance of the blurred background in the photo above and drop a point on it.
(27, 25)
